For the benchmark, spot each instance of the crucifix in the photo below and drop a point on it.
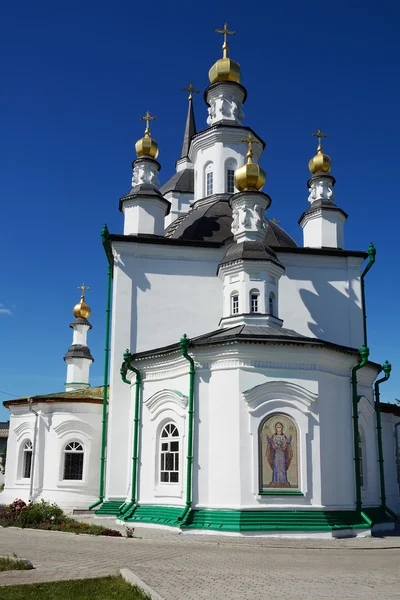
(147, 118)
(83, 289)
(275, 220)
(191, 89)
(249, 140)
(319, 135)
(225, 32)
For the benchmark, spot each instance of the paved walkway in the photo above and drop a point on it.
(197, 567)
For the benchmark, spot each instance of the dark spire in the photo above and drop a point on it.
(190, 130)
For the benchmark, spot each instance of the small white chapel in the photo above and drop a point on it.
(238, 395)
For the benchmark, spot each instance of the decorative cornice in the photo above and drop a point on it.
(266, 393)
(74, 426)
(166, 400)
(23, 429)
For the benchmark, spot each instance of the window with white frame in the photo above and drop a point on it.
(27, 459)
(73, 461)
(235, 303)
(169, 454)
(230, 181)
(271, 303)
(209, 183)
(254, 301)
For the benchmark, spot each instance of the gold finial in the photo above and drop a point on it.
(225, 33)
(82, 310)
(320, 163)
(146, 146)
(250, 176)
(191, 89)
(249, 140)
(147, 118)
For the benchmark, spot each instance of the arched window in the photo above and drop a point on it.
(230, 166)
(254, 301)
(271, 304)
(209, 180)
(27, 459)
(362, 458)
(278, 452)
(234, 303)
(169, 454)
(73, 461)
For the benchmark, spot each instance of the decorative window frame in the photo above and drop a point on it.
(74, 431)
(21, 459)
(208, 168)
(295, 401)
(65, 452)
(229, 165)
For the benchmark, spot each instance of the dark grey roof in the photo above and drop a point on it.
(190, 130)
(182, 181)
(250, 251)
(144, 189)
(211, 221)
(78, 351)
(81, 321)
(325, 204)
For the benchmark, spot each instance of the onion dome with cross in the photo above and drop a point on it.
(250, 176)
(320, 163)
(146, 146)
(225, 69)
(82, 310)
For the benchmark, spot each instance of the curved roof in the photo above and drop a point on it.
(211, 222)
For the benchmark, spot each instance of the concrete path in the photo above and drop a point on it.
(197, 567)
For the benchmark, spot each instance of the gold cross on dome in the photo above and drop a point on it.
(225, 32)
(319, 135)
(275, 220)
(249, 140)
(147, 118)
(191, 89)
(83, 288)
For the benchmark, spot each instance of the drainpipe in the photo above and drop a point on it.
(364, 353)
(105, 239)
(184, 343)
(126, 366)
(371, 259)
(33, 448)
(387, 367)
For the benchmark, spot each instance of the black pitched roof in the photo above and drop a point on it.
(250, 251)
(190, 130)
(182, 181)
(144, 189)
(78, 351)
(326, 204)
(81, 321)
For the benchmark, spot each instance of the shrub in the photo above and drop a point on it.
(41, 512)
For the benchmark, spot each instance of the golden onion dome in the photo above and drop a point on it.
(82, 310)
(250, 176)
(320, 163)
(146, 146)
(225, 69)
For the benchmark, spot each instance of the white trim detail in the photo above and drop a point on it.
(167, 400)
(74, 427)
(267, 393)
(23, 429)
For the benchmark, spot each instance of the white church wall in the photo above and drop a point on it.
(180, 204)
(320, 296)
(389, 453)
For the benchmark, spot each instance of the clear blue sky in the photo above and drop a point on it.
(76, 77)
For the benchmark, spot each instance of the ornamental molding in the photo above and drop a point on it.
(366, 411)
(267, 394)
(74, 427)
(166, 400)
(167, 252)
(23, 429)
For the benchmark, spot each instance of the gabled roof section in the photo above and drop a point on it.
(94, 394)
(181, 181)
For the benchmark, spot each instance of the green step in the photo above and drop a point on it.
(110, 507)
(165, 515)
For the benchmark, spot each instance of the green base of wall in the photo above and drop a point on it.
(110, 507)
(253, 520)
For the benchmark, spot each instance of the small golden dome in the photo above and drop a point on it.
(320, 163)
(146, 146)
(82, 310)
(250, 176)
(225, 69)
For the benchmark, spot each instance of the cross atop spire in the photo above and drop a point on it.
(83, 289)
(249, 140)
(319, 135)
(147, 118)
(225, 33)
(191, 89)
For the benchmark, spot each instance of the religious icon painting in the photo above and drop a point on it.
(279, 461)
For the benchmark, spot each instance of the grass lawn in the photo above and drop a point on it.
(12, 564)
(105, 588)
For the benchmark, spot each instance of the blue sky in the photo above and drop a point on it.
(75, 79)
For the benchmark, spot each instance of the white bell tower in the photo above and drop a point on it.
(78, 357)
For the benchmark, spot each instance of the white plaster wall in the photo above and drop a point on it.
(78, 370)
(180, 204)
(389, 449)
(324, 228)
(144, 215)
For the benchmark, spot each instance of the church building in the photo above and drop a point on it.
(241, 396)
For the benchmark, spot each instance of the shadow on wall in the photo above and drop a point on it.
(331, 311)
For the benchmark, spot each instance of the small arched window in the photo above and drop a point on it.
(73, 461)
(209, 180)
(27, 459)
(230, 166)
(169, 454)
(271, 304)
(254, 301)
(234, 303)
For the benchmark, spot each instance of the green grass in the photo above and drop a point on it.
(106, 588)
(12, 564)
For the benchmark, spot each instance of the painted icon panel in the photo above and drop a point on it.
(279, 462)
